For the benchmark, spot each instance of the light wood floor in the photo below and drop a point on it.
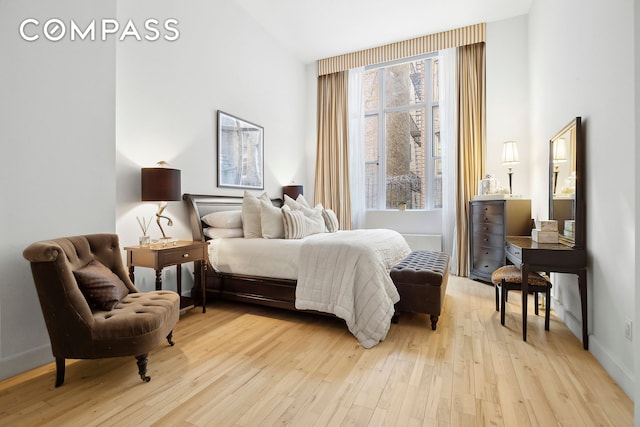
(242, 365)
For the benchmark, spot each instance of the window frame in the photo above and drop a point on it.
(428, 105)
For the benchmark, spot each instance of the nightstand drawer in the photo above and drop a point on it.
(180, 255)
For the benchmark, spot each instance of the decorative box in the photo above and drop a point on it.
(549, 225)
(544, 236)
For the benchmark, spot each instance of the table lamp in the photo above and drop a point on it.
(161, 184)
(292, 190)
(559, 156)
(510, 157)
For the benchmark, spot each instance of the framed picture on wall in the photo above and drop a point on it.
(240, 153)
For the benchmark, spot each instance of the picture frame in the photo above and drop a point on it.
(240, 153)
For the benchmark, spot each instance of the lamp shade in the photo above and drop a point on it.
(292, 191)
(160, 185)
(510, 153)
(560, 150)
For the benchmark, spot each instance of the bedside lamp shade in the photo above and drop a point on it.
(161, 185)
(293, 190)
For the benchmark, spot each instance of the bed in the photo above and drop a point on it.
(298, 267)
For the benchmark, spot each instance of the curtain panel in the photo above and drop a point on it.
(332, 157)
(404, 49)
(471, 142)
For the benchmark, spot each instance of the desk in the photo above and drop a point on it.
(157, 256)
(549, 257)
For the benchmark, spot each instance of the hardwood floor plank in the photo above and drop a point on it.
(244, 365)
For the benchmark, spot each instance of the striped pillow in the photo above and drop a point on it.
(294, 223)
(330, 220)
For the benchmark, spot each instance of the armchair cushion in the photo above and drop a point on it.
(101, 287)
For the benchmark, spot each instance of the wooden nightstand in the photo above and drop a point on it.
(158, 256)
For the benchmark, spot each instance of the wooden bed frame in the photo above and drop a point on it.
(267, 291)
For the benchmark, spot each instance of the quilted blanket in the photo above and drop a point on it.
(347, 274)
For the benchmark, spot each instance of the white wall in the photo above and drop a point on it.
(508, 101)
(581, 64)
(57, 121)
(167, 98)
(636, 318)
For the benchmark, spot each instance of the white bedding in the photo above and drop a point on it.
(347, 274)
(344, 273)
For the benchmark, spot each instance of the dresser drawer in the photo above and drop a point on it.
(487, 267)
(489, 228)
(488, 240)
(180, 255)
(484, 255)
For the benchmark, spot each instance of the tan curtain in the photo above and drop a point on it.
(471, 142)
(332, 157)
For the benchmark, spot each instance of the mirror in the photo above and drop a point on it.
(566, 183)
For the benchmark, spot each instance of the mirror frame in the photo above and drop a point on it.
(579, 206)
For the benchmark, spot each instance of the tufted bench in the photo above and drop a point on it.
(421, 280)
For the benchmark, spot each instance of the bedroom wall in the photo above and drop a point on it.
(166, 103)
(582, 64)
(57, 121)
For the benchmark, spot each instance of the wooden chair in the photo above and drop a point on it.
(90, 306)
(509, 278)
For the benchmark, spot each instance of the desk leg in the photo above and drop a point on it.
(582, 283)
(525, 298)
(131, 275)
(159, 279)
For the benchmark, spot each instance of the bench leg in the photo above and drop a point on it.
(434, 322)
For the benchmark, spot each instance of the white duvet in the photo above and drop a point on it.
(347, 274)
(344, 273)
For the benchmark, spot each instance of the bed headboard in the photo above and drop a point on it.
(199, 205)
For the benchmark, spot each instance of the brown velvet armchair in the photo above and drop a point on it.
(88, 312)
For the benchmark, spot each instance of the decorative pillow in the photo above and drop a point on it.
(251, 221)
(299, 203)
(294, 223)
(314, 221)
(222, 233)
(271, 221)
(101, 287)
(330, 220)
(224, 219)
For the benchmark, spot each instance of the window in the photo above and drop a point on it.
(402, 134)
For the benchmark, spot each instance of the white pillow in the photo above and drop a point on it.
(251, 221)
(224, 219)
(314, 221)
(330, 220)
(271, 221)
(222, 233)
(296, 204)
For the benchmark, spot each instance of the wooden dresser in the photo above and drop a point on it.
(490, 221)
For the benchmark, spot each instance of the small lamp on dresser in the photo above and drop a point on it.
(510, 157)
(161, 184)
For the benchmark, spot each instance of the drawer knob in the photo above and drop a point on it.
(185, 256)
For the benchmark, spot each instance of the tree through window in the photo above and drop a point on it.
(402, 134)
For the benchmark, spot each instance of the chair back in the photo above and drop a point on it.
(67, 314)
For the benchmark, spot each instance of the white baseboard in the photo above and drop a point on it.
(23, 362)
(610, 364)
